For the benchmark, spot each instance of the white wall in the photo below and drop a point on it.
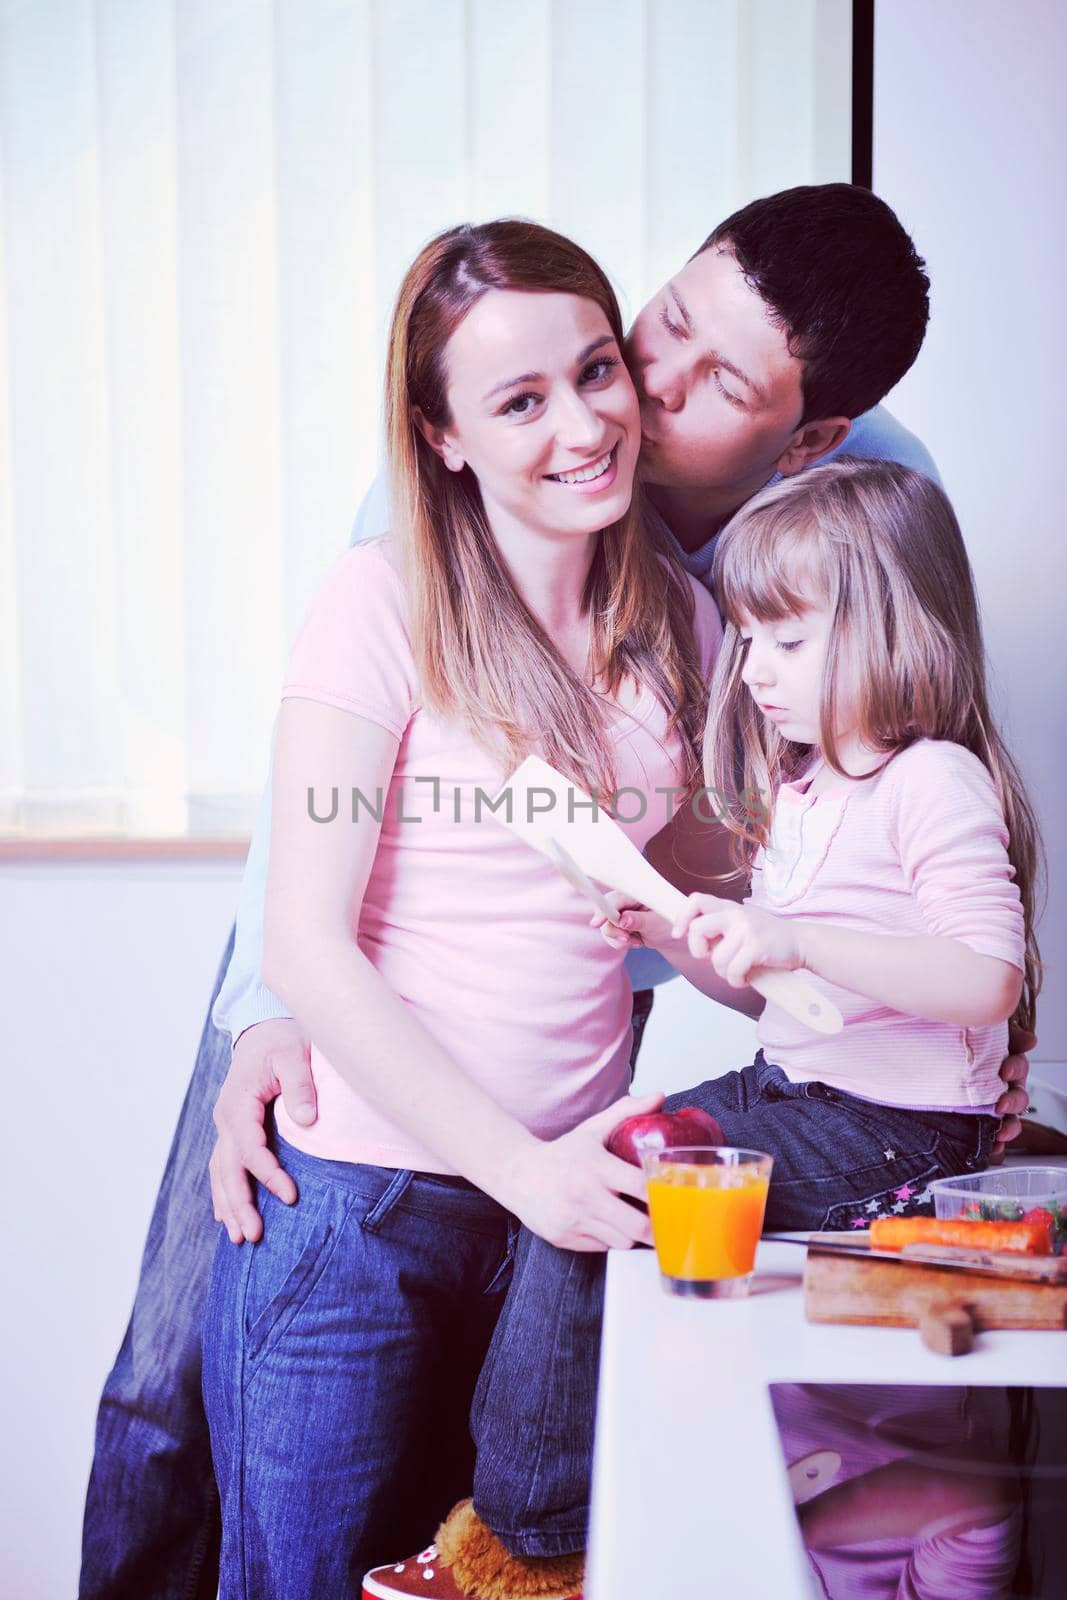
(106, 975)
(206, 209)
(969, 147)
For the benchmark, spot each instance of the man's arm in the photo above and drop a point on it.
(271, 1056)
(244, 999)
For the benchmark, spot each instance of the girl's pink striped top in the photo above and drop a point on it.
(920, 849)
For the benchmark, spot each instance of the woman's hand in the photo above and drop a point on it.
(634, 924)
(568, 1189)
(737, 938)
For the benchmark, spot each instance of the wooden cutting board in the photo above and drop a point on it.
(883, 1293)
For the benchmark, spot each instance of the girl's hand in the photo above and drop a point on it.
(569, 1190)
(634, 924)
(737, 938)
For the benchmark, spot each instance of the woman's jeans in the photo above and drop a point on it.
(151, 1528)
(341, 1354)
(838, 1162)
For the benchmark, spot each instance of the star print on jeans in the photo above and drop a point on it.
(905, 1192)
(858, 1222)
(890, 1155)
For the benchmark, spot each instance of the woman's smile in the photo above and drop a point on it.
(592, 479)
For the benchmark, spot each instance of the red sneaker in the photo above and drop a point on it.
(468, 1562)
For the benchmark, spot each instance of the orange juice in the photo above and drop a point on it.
(706, 1220)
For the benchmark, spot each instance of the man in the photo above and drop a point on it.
(767, 352)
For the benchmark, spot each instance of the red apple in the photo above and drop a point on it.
(663, 1130)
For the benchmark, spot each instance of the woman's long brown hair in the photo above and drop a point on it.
(481, 654)
(880, 547)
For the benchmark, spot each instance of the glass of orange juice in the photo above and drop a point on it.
(706, 1203)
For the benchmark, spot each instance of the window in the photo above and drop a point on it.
(206, 209)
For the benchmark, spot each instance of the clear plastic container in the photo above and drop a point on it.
(1008, 1194)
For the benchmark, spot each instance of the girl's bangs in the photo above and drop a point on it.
(771, 570)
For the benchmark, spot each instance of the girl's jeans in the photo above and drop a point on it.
(838, 1162)
(341, 1354)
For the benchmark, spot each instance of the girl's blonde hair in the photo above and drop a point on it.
(481, 654)
(879, 546)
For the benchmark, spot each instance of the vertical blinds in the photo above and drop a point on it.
(205, 210)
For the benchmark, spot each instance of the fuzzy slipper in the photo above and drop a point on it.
(468, 1562)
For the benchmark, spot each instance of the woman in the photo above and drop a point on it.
(471, 1029)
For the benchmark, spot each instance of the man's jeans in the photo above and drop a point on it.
(839, 1161)
(341, 1355)
(151, 1528)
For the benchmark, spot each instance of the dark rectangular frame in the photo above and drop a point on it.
(862, 92)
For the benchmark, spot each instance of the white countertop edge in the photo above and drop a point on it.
(690, 1495)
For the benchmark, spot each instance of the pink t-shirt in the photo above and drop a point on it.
(920, 849)
(474, 929)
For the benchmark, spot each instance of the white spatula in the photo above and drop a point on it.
(566, 864)
(547, 809)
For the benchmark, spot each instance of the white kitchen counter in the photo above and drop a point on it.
(690, 1496)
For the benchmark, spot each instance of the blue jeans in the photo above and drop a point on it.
(838, 1162)
(341, 1354)
(151, 1528)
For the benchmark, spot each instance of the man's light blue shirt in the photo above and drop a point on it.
(243, 1000)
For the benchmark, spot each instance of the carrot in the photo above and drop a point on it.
(1024, 1238)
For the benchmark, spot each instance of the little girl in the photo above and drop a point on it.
(890, 852)
(895, 861)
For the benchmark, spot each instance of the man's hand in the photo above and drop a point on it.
(1014, 1070)
(270, 1059)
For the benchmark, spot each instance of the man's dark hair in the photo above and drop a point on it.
(845, 283)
